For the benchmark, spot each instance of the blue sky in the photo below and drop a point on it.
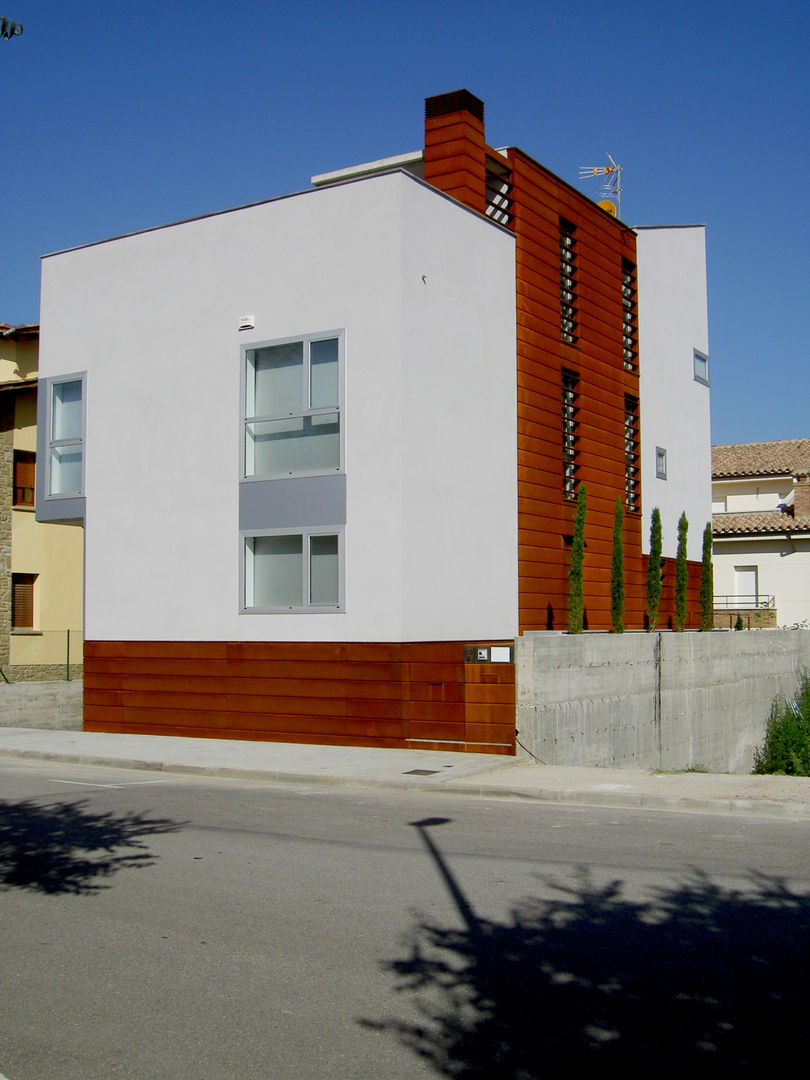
(118, 116)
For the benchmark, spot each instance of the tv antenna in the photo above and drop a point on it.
(611, 188)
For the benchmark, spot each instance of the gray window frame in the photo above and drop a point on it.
(697, 355)
(304, 609)
(660, 463)
(306, 340)
(50, 385)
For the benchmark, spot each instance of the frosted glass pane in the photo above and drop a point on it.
(66, 470)
(323, 373)
(297, 444)
(278, 571)
(66, 418)
(323, 570)
(274, 380)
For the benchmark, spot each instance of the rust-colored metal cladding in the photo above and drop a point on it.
(418, 695)
(576, 326)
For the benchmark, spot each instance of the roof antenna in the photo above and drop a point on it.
(611, 188)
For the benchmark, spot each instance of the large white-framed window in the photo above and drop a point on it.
(66, 437)
(292, 404)
(293, 570)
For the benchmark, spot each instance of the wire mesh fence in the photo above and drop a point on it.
(45, 654)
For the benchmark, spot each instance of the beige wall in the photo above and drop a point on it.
(53, 552)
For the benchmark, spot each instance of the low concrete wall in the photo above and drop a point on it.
(54, 705)
(660, 701)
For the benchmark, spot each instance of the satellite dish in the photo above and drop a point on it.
(608, 206)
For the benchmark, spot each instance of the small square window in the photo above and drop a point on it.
(701, 367)
(660, 463)
(293, 570)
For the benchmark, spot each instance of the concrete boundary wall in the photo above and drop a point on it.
(53, 705)
(653, 701)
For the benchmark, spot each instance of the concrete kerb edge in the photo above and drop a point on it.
(617, 800)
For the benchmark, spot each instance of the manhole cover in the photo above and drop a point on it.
(421, 772)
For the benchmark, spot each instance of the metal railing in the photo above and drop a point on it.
(35, 649)
(746, 600)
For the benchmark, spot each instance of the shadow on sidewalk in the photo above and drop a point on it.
(698, 975)
(64, 847)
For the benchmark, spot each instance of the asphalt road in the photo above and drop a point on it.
(184, 927)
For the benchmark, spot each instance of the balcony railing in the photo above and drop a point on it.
(750, 600)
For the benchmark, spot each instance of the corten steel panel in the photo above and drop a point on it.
(455, 157)
(352, 694)
(545, 516)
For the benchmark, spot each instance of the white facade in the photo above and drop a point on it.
(778, 568)
(422, 293)
(673, 351)
(765, 569)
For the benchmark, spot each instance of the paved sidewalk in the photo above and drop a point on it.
(426, 770)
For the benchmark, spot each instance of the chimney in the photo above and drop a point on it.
(801, 495)
(455, 148)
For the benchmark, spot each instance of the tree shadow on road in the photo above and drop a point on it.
(698, 975)
(64, 847)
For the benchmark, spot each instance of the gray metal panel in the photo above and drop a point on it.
(299, 502)
(59, 509)
(49, 507)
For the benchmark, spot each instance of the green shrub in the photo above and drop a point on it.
(786, 749)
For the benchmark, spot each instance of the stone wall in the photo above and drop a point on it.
(659, 701)
(54, 705)
(752, 618)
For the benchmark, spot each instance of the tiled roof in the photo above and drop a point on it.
(759, 521)
(784, 456)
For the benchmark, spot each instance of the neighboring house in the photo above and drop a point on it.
(40, 565)
(328, 446)
(761, 526)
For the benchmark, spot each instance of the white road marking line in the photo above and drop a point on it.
(87, 783)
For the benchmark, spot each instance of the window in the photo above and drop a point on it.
(24, 472)
(568, 282)
(701, 367)
(22, 601)
(66, 438)
(631, 441)
(570, 437)
(294, 571)
(660, 463)
(292, 408)
(629, 316)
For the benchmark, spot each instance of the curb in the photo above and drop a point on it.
(620, 800)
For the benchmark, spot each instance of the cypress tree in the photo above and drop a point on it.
(576, 597)
(681, 575)
(617, 571)
(654, 571)
(707, 582)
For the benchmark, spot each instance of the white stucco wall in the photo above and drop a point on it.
(783, 571)
(760, 493)
(673, 322)
(425, 293)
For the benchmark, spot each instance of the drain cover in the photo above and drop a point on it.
(421, 772)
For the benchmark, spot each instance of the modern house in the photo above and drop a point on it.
(761, 527)
(327, 447)
(40, 565)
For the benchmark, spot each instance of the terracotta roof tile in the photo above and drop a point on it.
(759, 521)
(784, 456)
